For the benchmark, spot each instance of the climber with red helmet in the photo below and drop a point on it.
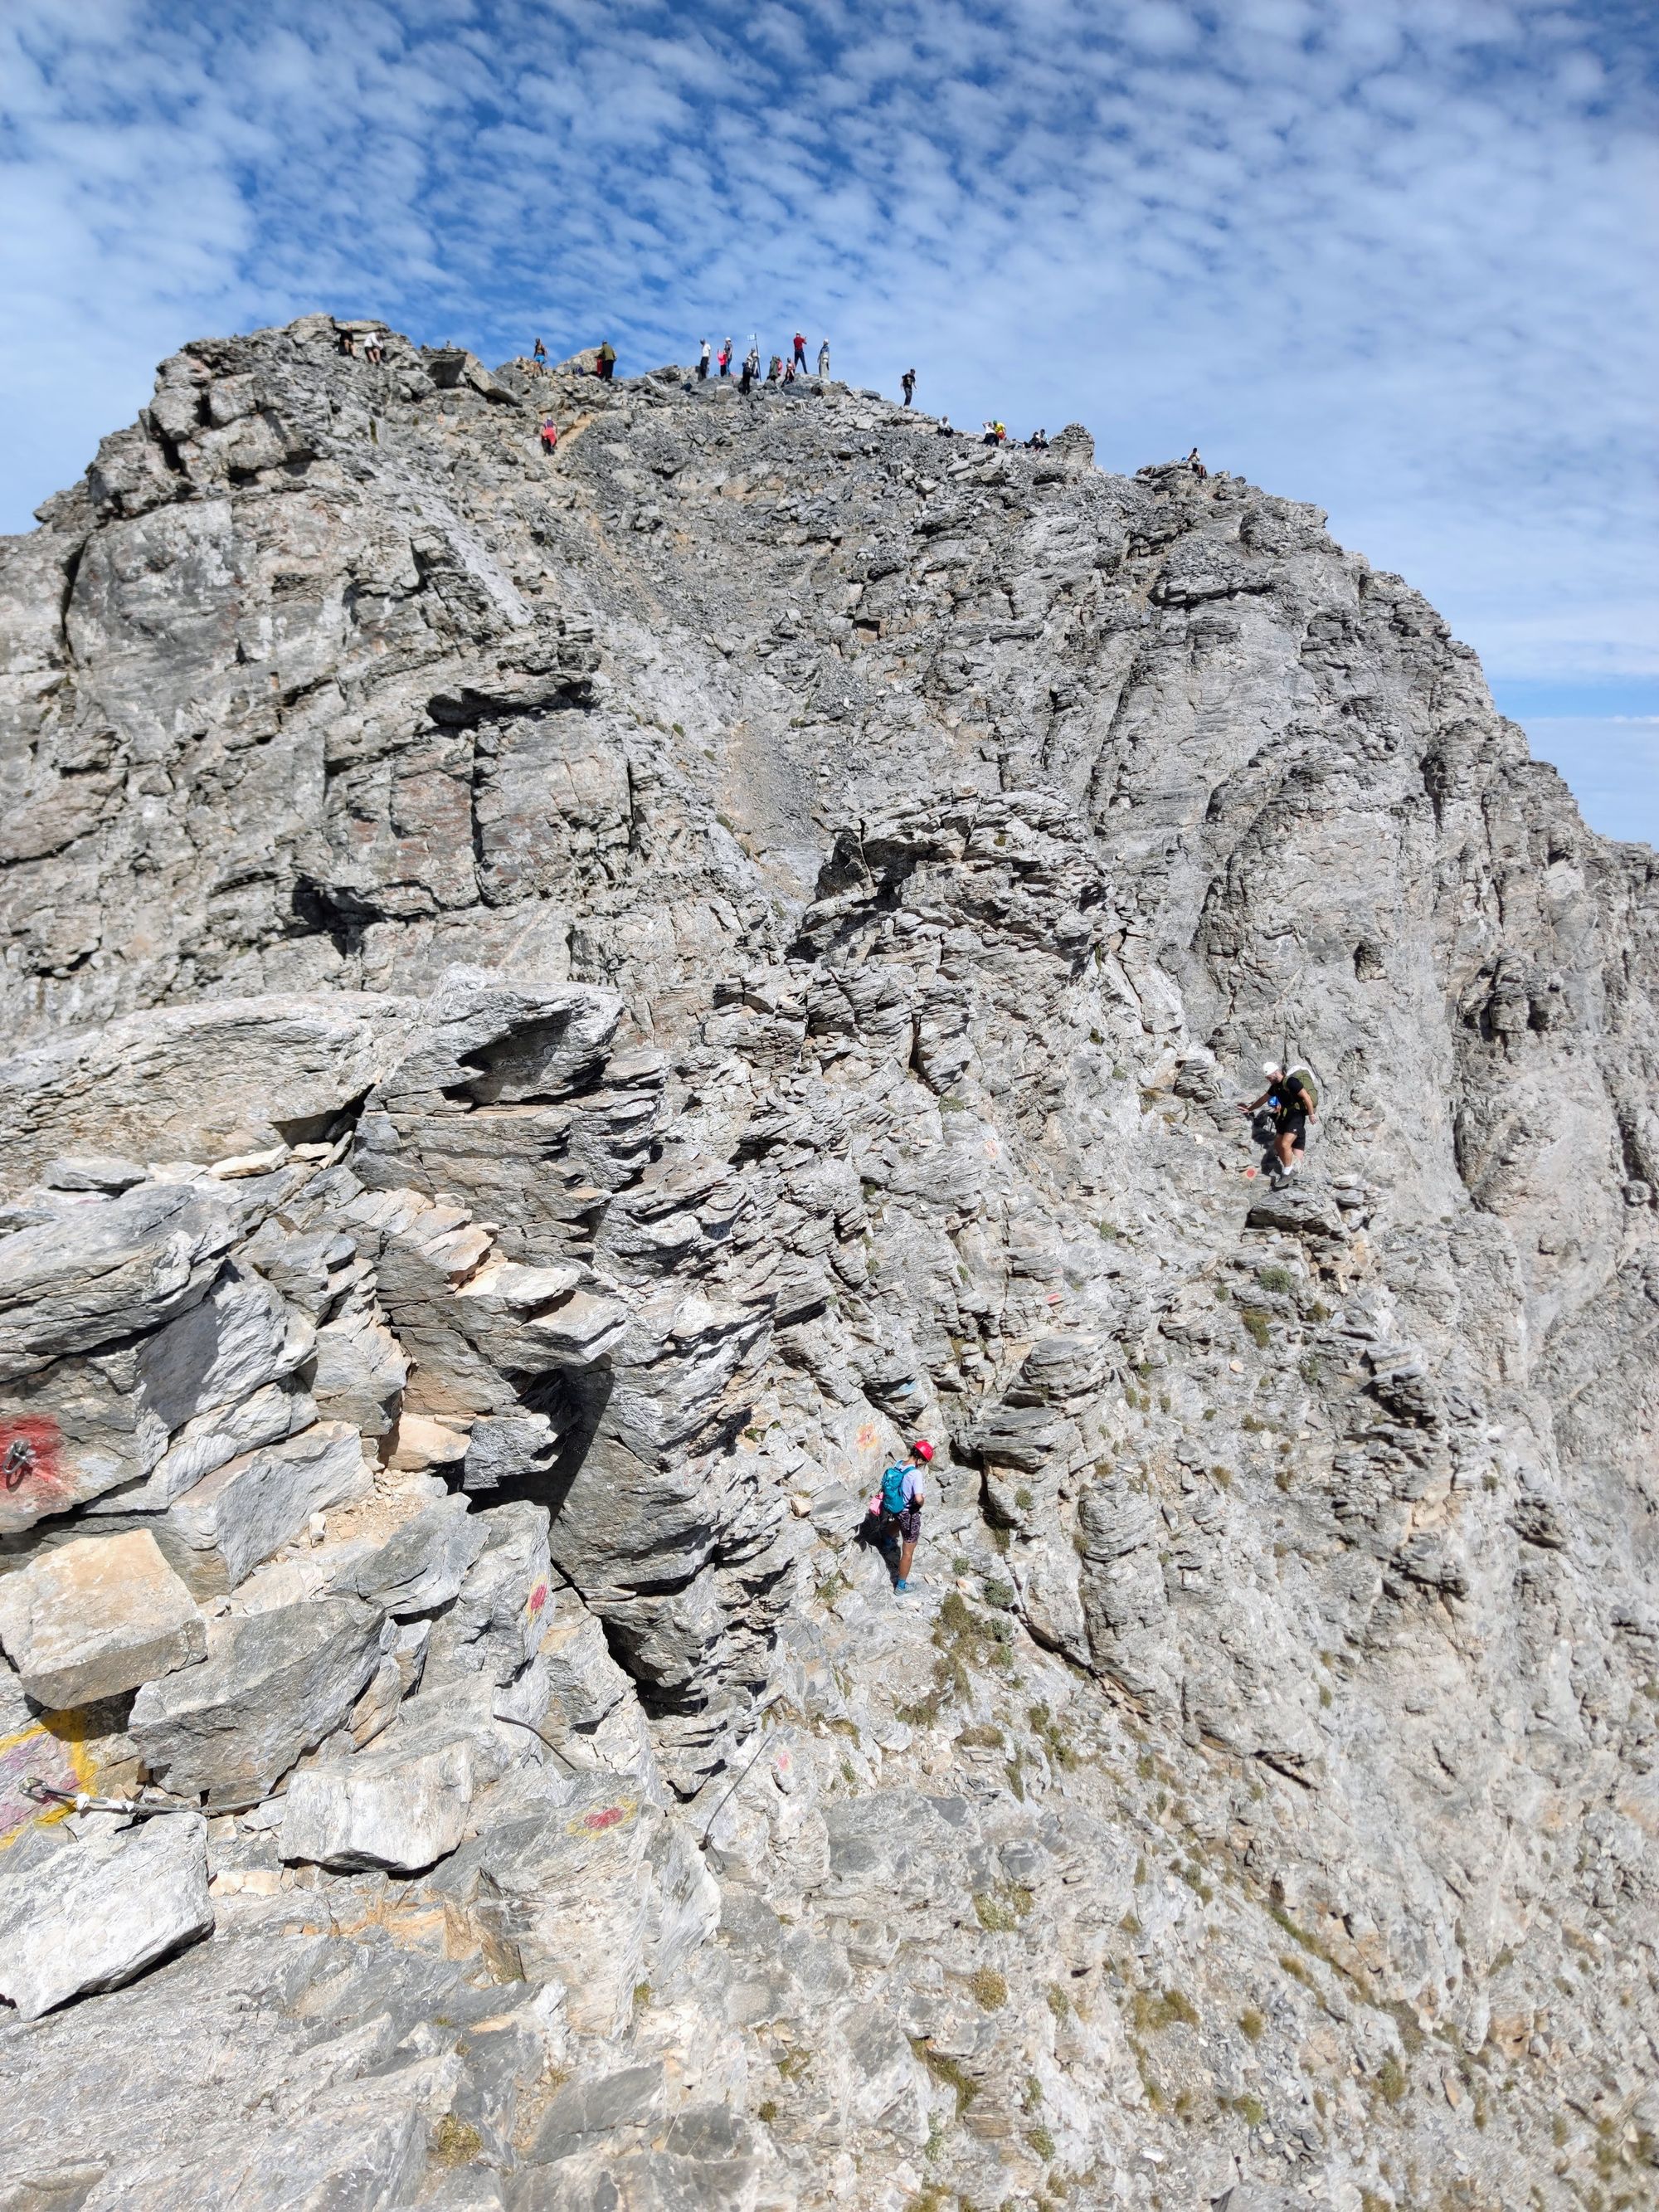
(899, 1504)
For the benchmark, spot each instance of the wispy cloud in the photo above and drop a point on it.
(1384, 254)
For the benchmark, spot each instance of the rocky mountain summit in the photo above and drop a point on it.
(559, 1011)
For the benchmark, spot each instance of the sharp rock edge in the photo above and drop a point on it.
(559, 1010)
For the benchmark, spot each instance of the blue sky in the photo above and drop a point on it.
(1397, 256)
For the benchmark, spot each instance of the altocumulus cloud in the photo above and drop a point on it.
(1388, 255)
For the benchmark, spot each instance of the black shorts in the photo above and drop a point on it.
(1292, 1121)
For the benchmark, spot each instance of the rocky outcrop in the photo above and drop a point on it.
(561, 1010)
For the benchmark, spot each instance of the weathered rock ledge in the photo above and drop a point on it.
(559, 1011)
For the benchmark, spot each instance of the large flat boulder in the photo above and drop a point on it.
(402, 1807)
(218, 1532)
(1297, 1209)
(115, 1268)
(273, 1685)
(92, 1915)
(207, 1082)
(97, 1616)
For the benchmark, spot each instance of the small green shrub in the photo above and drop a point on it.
(1258, 1325)
(456, 2142)
(1405, 2019)
(990, 1990)
(946, 2070)
(1391, 2079)
(1252, 2024)
(1047, 1731)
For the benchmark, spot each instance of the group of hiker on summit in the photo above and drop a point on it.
(779, 370)
(784, 370)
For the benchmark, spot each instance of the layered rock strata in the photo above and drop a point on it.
(559, 1011)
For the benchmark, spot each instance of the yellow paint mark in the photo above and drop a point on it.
(52, 1749)
(601, 1817)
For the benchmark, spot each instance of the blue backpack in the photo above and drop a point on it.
(892, 1489)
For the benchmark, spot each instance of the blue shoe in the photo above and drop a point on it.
(901, 1586)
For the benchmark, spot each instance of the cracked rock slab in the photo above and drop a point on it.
(92, 1915)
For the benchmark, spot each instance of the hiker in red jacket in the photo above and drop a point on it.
(800, 350)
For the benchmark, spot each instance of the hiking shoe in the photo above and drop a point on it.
(901, 1586)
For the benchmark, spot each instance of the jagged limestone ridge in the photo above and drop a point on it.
(564, 1008)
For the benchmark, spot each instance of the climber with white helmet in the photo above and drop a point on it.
(1293, 1104)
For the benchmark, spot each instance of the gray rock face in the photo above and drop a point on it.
(273, 1685)
(218, 1531)
(104, 1272)
(401, 1806)
(93, 1914)
(561, 1012)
